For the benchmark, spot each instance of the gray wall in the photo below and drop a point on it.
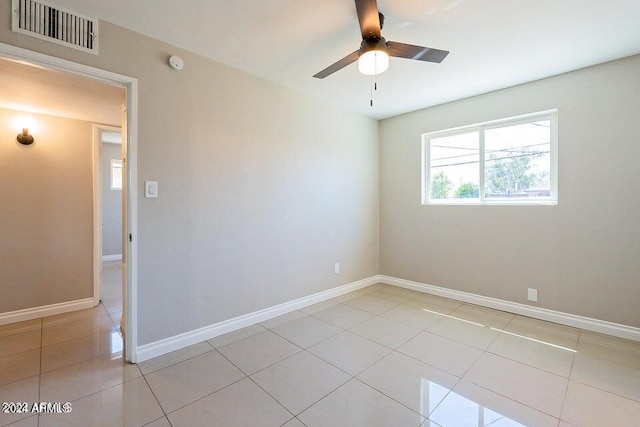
(261, 188)
(582, 255)
(111, 203)
(46, 213)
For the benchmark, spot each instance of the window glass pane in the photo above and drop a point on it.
(518, 161)
(116, 174)
(455, 167)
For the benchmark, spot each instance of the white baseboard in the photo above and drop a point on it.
(158, 348)
(45, 310)
(595, 325)
(116, 257)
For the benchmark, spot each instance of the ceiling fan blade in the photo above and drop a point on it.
(369, 18)
(349, 59)
(420, 53)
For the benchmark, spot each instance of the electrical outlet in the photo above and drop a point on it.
(336, 268)
(532, 295)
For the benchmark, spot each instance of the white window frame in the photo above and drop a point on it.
(551, 115)
(111, 166)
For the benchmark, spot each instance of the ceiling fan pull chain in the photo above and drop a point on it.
(371, 92)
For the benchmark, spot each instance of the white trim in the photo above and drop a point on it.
(116, 257)
(131, 85)
(45, 310)
(587, 323)
(177, 342)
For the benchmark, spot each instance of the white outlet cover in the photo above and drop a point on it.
(176, 63)
(336, 268)
(532, 295)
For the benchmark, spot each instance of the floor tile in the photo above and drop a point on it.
(390, 295)
(433, 303)
(294, 423)
(451, 356)
(19, 391)
(26, 422)
(414, 384)
(486, 316)
(319, 306)
(346, 297)
(238, 335)
(19, 366)
(307, 331)
(470, 406)
(160, 422)
(66, 331)
(113, 306)
(349, 352)
(371, 304)
(174, 357)
(19, 343)
(183, 383)
(343, 316)
(239, 405)
(385, 331)
(618, 379)
(258, 351)
(588, 406)
(530, 386)
(20, 327)
(88, 313)
(356, 404)
(128, 404)
(475, 335)
(78, 350)
(612, 349)
(548, 332)
(281, 320)
(540, 355)
(412, 316)
(300, 380)
(80, 380)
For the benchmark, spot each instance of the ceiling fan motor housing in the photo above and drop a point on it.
(373, 43)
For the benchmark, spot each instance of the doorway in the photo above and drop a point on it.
(129, 192)
(108, 146)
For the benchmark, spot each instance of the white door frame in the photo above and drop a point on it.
(98, 237)
(131, 86)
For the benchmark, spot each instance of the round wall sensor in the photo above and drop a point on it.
(176, 63)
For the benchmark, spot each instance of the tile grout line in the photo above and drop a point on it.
(155, 397)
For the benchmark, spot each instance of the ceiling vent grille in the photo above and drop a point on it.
(50, 22)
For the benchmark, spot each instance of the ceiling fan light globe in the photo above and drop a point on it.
(373, 62)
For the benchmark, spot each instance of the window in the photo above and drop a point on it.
(509, 161)
(116, 174)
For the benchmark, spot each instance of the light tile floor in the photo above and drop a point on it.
(381, 356)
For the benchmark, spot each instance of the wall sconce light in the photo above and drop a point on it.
(25, 123)
(24, 138)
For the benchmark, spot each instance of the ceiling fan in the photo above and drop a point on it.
(373, 55)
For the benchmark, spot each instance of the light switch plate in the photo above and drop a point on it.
(151, 189)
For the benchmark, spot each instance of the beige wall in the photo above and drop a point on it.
(111, 203)
(46, 220)
(582, 255)
(261, 188)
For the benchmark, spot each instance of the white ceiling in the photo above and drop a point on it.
(494, 43)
